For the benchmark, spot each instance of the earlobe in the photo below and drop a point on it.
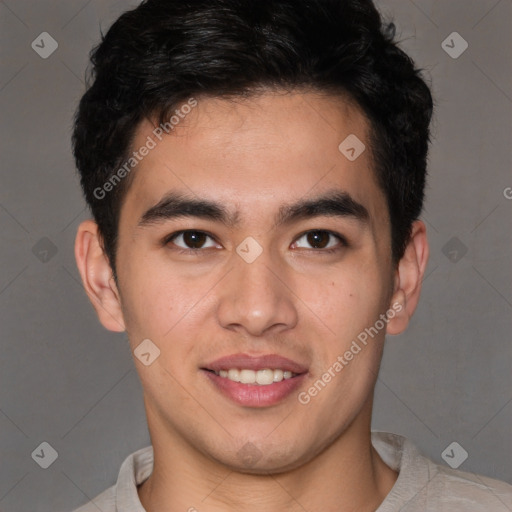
(408, 279)
(97, 278)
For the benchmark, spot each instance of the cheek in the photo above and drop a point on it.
(350, 299)
(165, 306)
(152, 302)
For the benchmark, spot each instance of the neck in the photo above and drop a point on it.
(347, 475)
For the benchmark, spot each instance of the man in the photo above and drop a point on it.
(256, 172)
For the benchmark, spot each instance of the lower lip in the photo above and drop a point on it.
(254, 395)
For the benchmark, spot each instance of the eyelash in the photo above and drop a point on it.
(196, 252)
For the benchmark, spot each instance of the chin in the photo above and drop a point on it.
(260, 460)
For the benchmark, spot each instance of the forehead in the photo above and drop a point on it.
(256, 153)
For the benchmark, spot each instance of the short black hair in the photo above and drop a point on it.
(167, 51)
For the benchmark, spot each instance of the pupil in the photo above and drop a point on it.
(318, 239)
(194, 239)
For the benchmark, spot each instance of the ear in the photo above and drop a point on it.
(97, 276)
(408, 279)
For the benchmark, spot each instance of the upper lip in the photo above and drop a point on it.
(245, 361)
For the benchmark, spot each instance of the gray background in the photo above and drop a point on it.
(68, 382)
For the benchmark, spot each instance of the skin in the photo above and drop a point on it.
(253, 156)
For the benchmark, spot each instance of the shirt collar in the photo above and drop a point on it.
(396, 451)
(135, 469)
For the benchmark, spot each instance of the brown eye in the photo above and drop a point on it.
(192, 240)
(320, 239)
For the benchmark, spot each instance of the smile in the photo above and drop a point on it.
(255, 381)
(263, 377)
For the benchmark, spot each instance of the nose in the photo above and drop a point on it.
(256, 298)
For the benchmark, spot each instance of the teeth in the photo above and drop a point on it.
(234, 375)
(278, 375)
(264, 377)
(260, 377)
(247, 376)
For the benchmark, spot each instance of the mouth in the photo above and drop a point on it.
(255, 381)
(264, 377)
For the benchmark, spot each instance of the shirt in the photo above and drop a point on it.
(421, 486)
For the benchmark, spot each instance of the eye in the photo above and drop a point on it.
(191, 240)
(321, 239)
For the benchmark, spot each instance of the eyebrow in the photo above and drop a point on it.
(335, 203)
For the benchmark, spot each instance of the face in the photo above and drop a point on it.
(249, 241)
